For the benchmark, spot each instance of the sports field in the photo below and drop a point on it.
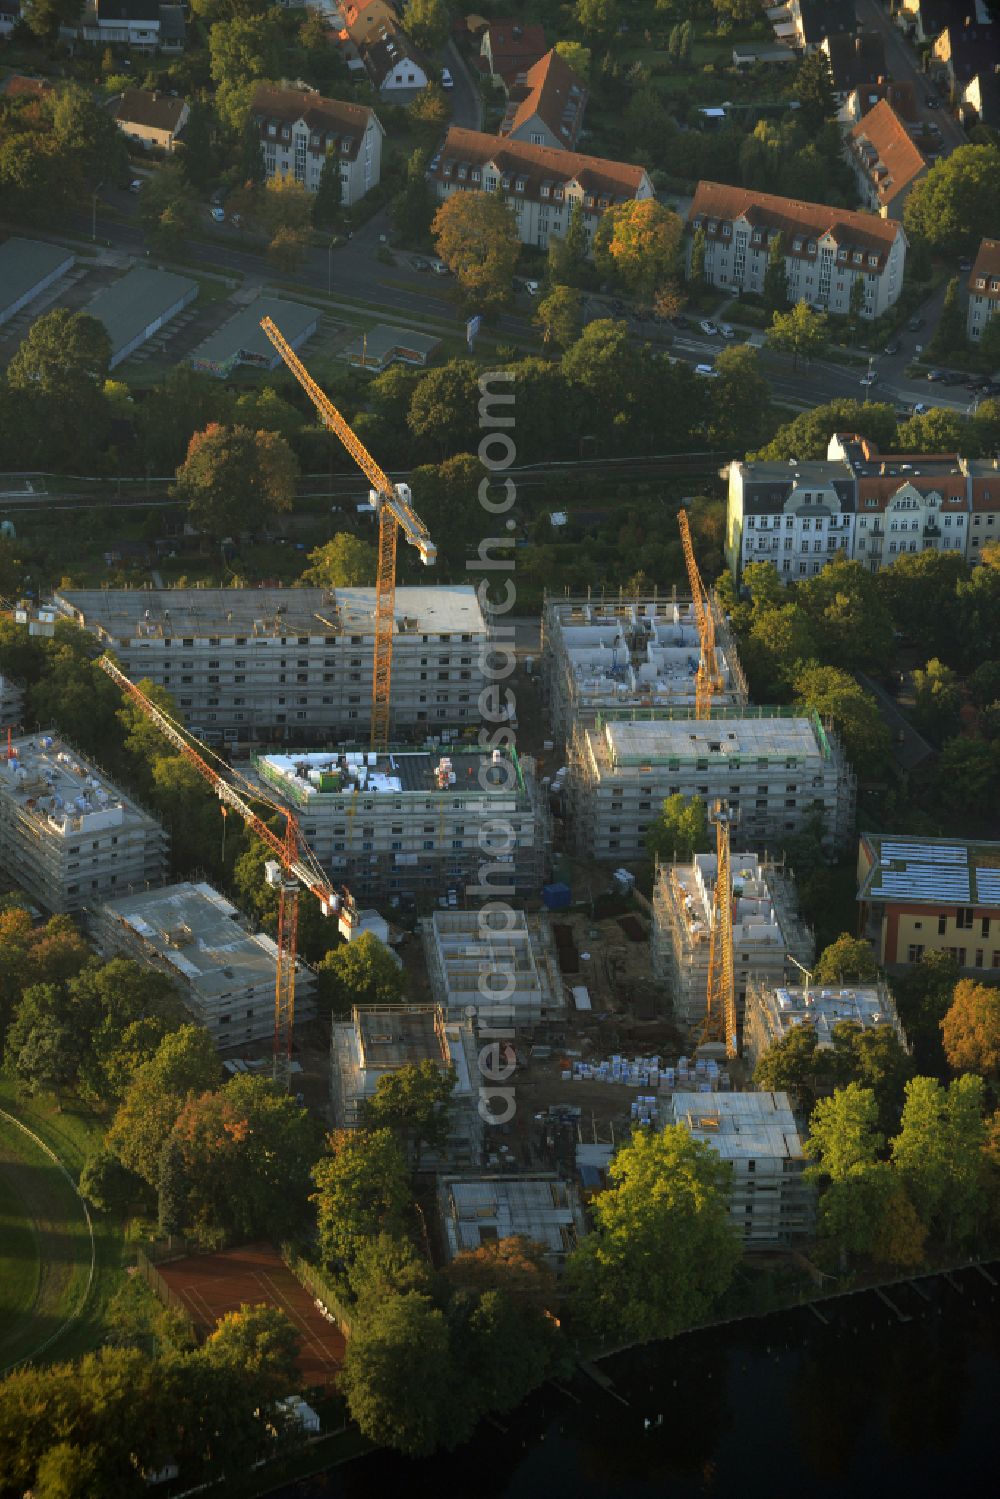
(46, 1248)
(210, 1285)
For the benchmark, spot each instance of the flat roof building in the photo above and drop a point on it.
(27, 268)
(243, 341)
(467, 951)
(294, 663)
(380, 1039)
(766, 926)
(777, 772)
(601, 653)
(773, 1011)
(138, 306)
(922, 895)
(481, 1210)
(68, 836)
(407, 822)
(224, 972)
(384, 345)
(770, 1202)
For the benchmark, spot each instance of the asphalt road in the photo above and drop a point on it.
(902, 66)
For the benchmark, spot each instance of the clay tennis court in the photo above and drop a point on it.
(210, 1285)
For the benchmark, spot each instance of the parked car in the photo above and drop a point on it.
(935, 375)
(920, 408)
(727, 331)
(417, 263)
(893, 347)
(915, 324)
(708, 327)
(219, 215)
(932, 101)
(707, 371)
(446, 79)
(532, 288)
(870, 379)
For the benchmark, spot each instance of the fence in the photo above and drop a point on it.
(146, 1261)
(315, 1281)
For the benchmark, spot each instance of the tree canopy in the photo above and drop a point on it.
(476, 237)
(233, 479)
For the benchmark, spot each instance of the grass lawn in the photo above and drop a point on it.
(43, 1224)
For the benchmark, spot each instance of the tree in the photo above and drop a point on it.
(168, 207)
(171, 1188)
(362, 972)
(444, 490)
(920, 590)
(971, 1029)
(843, 1132)
(252, 172)
(287, 249)
(185, 402)
(814, 89)
(740, 401)
(948, 208)
(834, 695)
(362, 1189)
(285, 204)
(428, 22)
(605, 365)
(577, 57)
(699, 245)
(414, 1102)
(87, 137)
(444, 408)
(44, 17)
(258, 1340)
(638, 242)
(385, 1265)
(949, 335)
(781, 641)
(263, 410)
(63, 364)
(939, 1154)
(412, 209)
(397, 1377)
(43, 1058)
(775, 277)
(923, 996)
(477, 238)
(966, 775)
(935, 431)
(938, 698)
(328, 199)
(808, 435)
(789, 1066)
(513, 1265)
(848, 960)
(596, 18)
(342, 562)
(242, 51)
(734, 12)
(800, 332)
(663, 1249)
(680, 831)
(184, 1062)
(233, 479)
(560, 316)
(567, 257)
(197, 161)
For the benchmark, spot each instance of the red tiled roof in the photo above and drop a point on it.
(148, 107)
(987, 269)
(17, 86)
(330, 119)
(951, 487)
(512, 38)
(618, 181)
(986, 492)
(715, 204)
(555, 94)
(887, 155)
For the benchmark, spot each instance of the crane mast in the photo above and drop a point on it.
(392, 503)
(719, 1024)
(292, 867)
(708, 680)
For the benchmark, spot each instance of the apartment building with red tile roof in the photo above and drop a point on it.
(886, 160)
(509, 48)
(299, 127)
(984, 288)
(548, 109)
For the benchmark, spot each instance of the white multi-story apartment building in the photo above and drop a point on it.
(68, 836)
(294, 663)
(984, 289)
(540, 183)
(770, 1201)
(859, 504)
(299, 130)
(408, 823)
(776, 772)
(601, 653)
(224, 973)
(826, 250)
(766, 927)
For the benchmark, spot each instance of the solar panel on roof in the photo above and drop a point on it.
(922, 853)
(988, 885)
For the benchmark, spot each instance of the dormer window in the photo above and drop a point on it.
(605, 202)
(842, 256)
(476, 174)
(519, 185)
(796, 244)
(873, 261)
(558, 194)
(711, 226)
(446, 169)
(286, 132)
(463, 172)
(272, 131)
(995, 284)
(857, 258)
(980, 283)
(756, 237)
(812, 247)
(505, 183)
(589, 200)
(345, 146)
(727, 230)
(314, 141)
(544, 190)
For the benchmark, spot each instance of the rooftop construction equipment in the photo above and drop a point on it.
(392, 502)
(720, 999)
(709, 679)
(294, 863)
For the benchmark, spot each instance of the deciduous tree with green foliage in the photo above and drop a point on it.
(345, 561)
(638, 243)
(398, 1377)
(681, 829)
(233, 479)
(848, 959)
(414, 1102)
(62, 365)
(808, 434)
(560, 316)
(428, 22)
(477, 238)
(663, 1248)
(950, 208)
(836, 696)
(775, 277)
(814, 91)
(362, 972)
(184, 1062)
(939, 1153)
(577, 57)
(362, 1189)
(800, 332)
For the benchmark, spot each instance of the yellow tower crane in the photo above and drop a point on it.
(293, 864)
(392, 503)
(708, 681)
(720, 1009)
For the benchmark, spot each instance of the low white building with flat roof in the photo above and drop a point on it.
(776, 771)
(766, 927)
(380, 1039)
(294, 663)
(466, 949)
(225, 973)
(772, 1011)
(484, 1209)
(770, 1202)
(68, 836)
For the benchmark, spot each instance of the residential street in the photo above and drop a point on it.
(902, 67)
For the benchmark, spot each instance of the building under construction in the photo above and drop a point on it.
(294, 664)
(380, 1039)
(774, 1010)
(407, 822)
(68, 836)
(770, 1201)
(480, 1210)
(224, 973)
(473, 954)
(766, 927)
(776, 769)
(603, 653)
(11, 704)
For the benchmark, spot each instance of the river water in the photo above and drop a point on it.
(868, 1405)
